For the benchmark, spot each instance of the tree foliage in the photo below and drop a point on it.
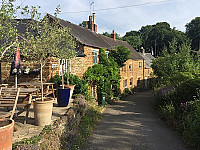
(154, 37)
(176, 66)
(8, 33)
(106, 75)
(193, 32)
(45, 38)
(120, 55)
(110, 35)
(134, 39)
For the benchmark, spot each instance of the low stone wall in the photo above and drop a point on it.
(63, 131)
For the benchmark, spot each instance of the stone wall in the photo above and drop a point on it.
(81, 64)
(48, 72)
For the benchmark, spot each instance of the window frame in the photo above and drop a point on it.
(96, 52)
(67, 63)
(140, 65)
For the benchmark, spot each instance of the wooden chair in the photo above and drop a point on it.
(9, 98)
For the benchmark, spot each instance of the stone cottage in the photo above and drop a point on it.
(89, 42)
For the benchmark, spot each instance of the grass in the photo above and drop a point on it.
(87, 125)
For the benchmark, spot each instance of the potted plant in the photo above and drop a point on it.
(45, 38)
(6, 133)
(8, 36)
(64, 92)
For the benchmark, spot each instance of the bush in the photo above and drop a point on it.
(163, 96)
(190, 123)
(127, 91)
(168, 112)
(81, 85)
(186, 91)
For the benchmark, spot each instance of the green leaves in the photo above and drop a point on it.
(176, 65)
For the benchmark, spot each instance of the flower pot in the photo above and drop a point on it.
(63, 96)
(43, 111)
(6, 134)
(71, 89)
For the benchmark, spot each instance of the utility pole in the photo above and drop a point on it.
(155, 49)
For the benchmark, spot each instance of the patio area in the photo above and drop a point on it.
(29, 129)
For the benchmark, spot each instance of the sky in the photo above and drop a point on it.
(122, 15)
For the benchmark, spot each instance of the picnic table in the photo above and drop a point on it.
(48, 87)
(15, 98)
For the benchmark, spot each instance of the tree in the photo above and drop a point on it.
(193, 32)
(8, 34)
(106, 75)
(84, 24)
(158, 36)
(120, 55)
(45, 38)
(110, 35)
(176, 65)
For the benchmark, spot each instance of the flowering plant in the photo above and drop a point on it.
(80, 100)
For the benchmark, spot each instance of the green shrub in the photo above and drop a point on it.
(81, 85)
(127, 91)
(167, 112)
(163, 96)
(190, 123)
(186, 91)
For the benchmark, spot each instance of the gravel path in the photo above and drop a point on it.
(131, 124)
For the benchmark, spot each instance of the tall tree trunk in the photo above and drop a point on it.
(42, 94)
(62, 75)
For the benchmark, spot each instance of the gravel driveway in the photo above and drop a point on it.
(132, 124)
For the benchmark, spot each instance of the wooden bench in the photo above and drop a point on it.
(16, 98)
(8, 98)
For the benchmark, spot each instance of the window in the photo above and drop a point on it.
(131, 80)
(107, 53)
(95, 56)
(124, 68)
(130, 68)
(125, 83)
(140, 65)
(149, 72)
(66, 66)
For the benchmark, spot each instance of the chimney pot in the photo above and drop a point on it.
(94, 17)
(113, 35)
(143, 50)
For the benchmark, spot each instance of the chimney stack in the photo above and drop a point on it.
(94, 17)
(113, 35)
(143, 50)
(91, 23)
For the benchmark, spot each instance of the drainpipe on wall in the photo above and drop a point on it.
(143, 73)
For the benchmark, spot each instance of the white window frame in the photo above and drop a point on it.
(140, 65)
(131, 81)
(107, 53)
(96, 52)
(67, 63)
(125, 83)
(149, 72)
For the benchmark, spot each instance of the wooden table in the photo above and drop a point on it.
(48, 87)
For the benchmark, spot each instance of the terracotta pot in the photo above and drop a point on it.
(43, 111)
(6, 134)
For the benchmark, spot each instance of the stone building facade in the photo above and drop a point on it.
(89, 42)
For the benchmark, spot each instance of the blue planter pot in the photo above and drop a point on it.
(63, 96)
